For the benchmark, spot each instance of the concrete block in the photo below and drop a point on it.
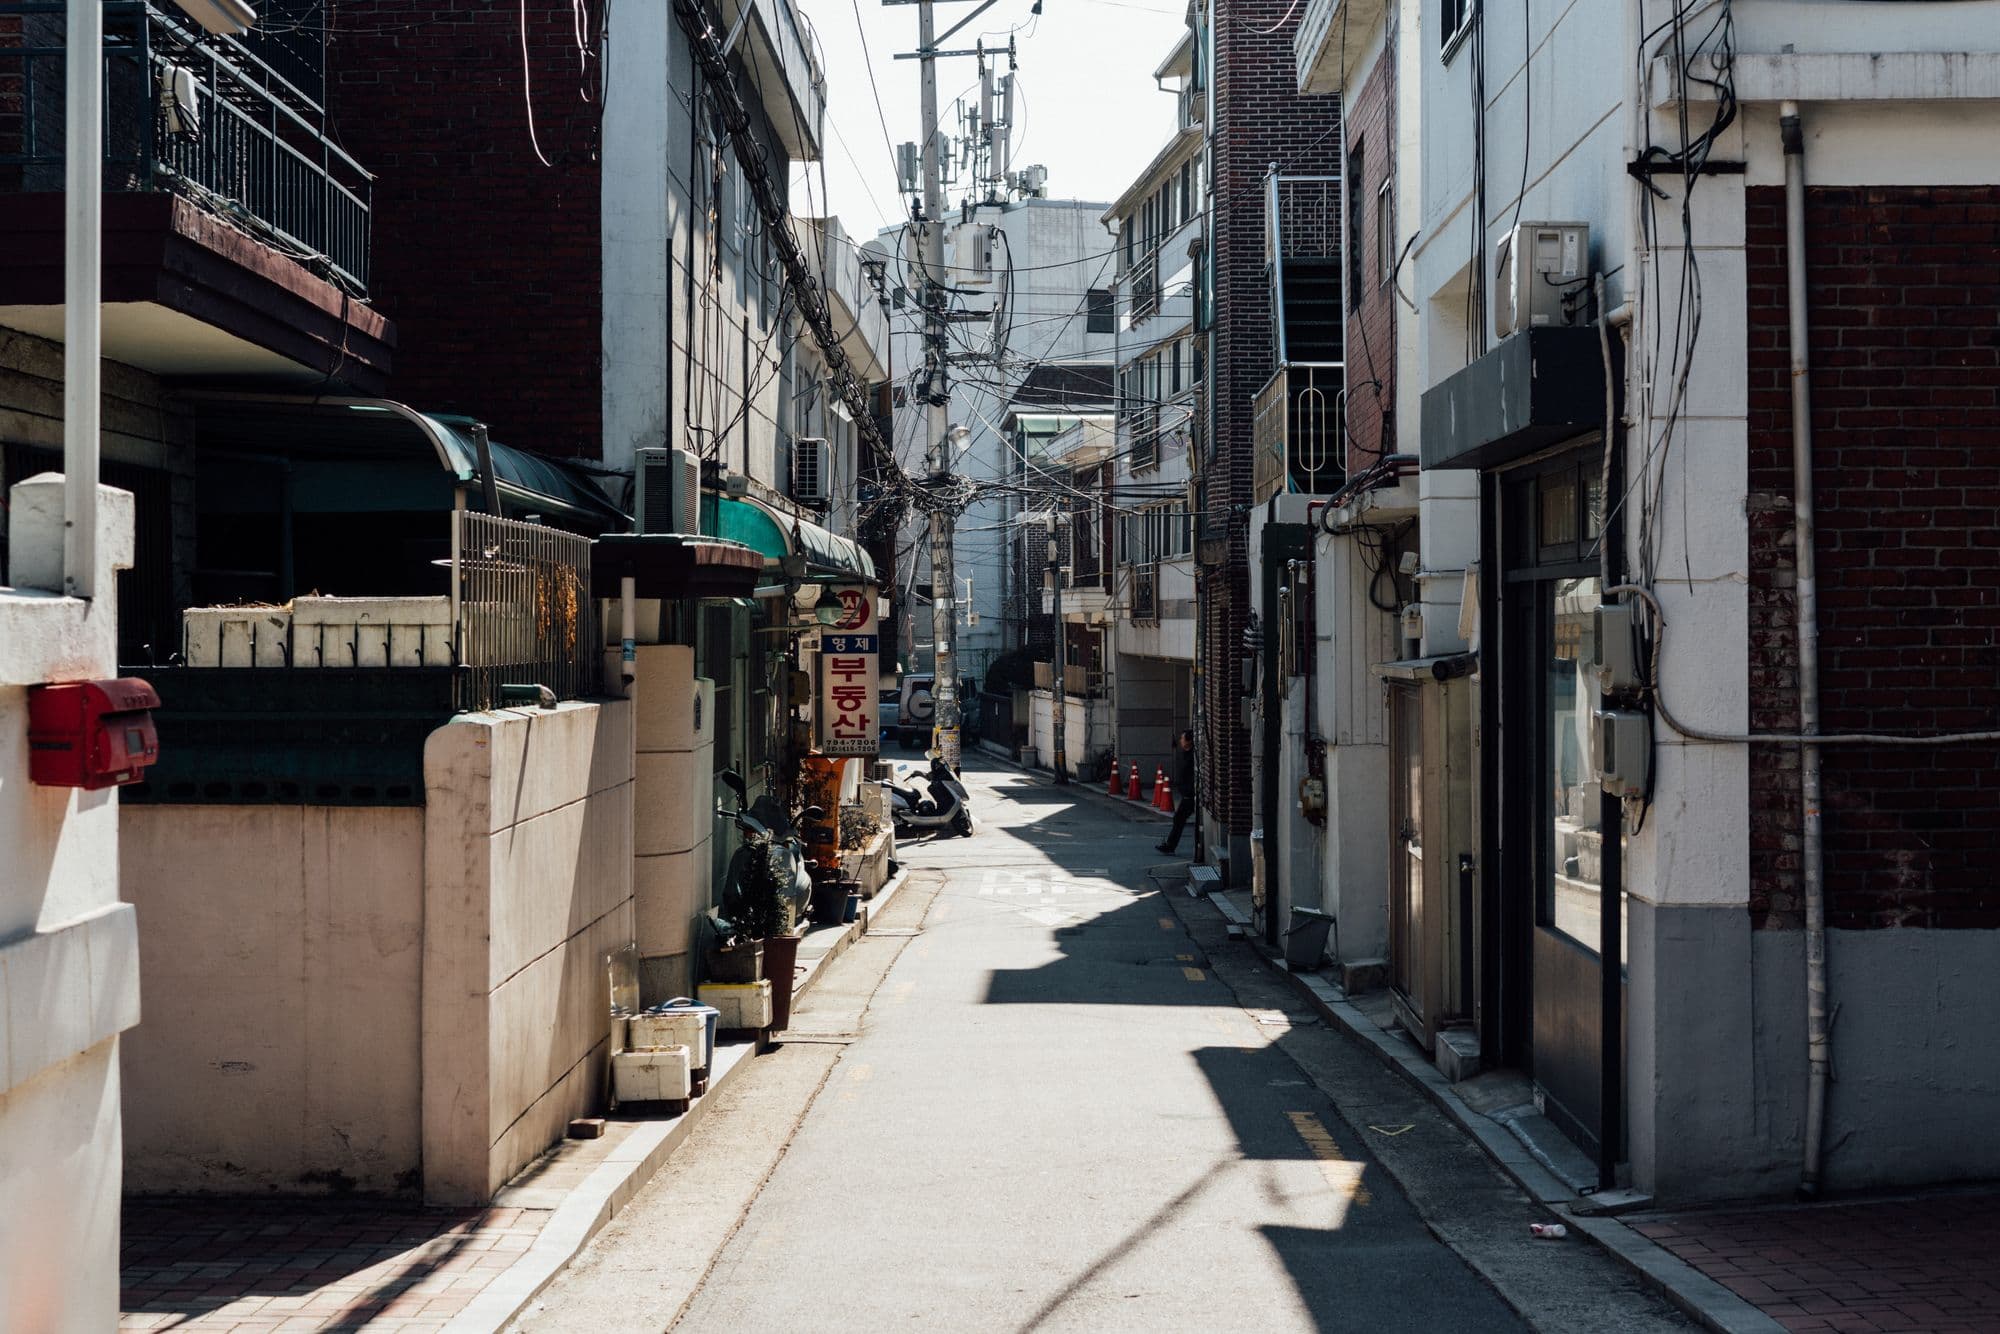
(668, 890)
(371, 632)
(673, 803)
(236, 636)
(675, 709)
(741, 1005)
(657, 1074)
(1458, 1053)
(1359, 975)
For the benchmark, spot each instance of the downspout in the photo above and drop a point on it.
(1812, 868)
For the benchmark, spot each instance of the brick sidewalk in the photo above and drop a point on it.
(249, 1264)
(1929, 1264)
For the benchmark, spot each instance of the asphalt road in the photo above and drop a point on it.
(1046, 1095)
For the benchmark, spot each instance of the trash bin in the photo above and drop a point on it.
(1305, 939)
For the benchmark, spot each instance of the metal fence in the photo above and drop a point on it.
(253, 146)
(1295, 433)
(522, 606)
(1302, 218)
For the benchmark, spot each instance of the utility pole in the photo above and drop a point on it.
(1059, 717)
(937, 405)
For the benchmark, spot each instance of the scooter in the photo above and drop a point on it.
(769, 835)
(931, 801)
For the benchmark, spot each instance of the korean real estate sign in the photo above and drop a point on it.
(848, 677)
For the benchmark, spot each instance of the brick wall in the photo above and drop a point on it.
(486, 259)
(1260, 118)
(1906, 420)
(1371, 321)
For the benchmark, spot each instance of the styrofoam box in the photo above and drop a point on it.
(654, 1074)
(371, 632)
(683, 1026)
(739, 1004)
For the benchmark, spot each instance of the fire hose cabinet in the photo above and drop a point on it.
(91, 734)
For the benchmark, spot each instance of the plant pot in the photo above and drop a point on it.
(829, 901)
(738, 963)
(781, 958)
(851, 909)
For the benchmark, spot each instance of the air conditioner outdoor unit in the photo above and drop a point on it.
(667, 492)
(812, 480)
(1536, 268)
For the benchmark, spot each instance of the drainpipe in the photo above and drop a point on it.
(83, 162)
(1812, 870)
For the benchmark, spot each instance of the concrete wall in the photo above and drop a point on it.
(673, 816)
(527, 887)
(284, 945)
(69, 955)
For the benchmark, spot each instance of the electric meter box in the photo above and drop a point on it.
(1537, 267)
(1617, 648)
(91, 734)
(971, 262)
(1624, 752)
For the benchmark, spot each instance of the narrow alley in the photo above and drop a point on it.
(1046, 1093)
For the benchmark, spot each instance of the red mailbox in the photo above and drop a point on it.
(91, 734)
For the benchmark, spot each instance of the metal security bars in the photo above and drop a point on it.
(523, 611)
(1296, 433)
(196, 115)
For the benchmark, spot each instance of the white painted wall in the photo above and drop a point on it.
(69, 951)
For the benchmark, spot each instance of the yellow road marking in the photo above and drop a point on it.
(1193, 974)
(1185, 958)
(859, 1074)
(1168, 924)
(1344, 1176)
(903, 990)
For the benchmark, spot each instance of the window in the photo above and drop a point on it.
(1356, 254)
(1187, 190)
(1385, 234)
(1454, 17)
(1100, 313)
(1174, 368)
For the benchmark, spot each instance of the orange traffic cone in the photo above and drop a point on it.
(1132, 787)
(1112, 787)
(1159, 777)
(1163, 795)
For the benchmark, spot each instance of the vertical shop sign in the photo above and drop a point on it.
(848, 674)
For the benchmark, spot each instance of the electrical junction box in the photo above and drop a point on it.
(971, 262)
(1538, 265)
(1617, 648)
(91, 734)
(1624, 752)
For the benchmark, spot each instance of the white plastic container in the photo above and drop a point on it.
(654, 1074)
(675, 1026)
(739, 1005)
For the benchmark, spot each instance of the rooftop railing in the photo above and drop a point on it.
(205, 117)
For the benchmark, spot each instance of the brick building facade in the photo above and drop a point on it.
(1260, 118)
(1903, 285)
(1370, 170)
(487, 258)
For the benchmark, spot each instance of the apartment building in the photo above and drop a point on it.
(1659, 274)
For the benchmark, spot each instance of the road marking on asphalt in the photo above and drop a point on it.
(859, 1074)
(1168, 924)
(1194, 974)
(902, 992)
(1340, 1173)
(1184, 958)
(1392, 1130)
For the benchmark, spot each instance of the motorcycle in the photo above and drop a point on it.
(931, 801)
(769, 883)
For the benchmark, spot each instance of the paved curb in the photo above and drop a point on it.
(629, 1166)
(1694, 1292)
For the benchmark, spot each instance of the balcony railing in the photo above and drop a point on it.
(1296, 433)
(254, 146)
(1302, 218)
(1146, 593)
(1146, 286)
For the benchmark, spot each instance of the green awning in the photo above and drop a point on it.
(830, 558)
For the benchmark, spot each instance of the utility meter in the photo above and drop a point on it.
(1624, 752)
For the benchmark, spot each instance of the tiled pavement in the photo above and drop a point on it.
(1930, 1264)
(252, 1264)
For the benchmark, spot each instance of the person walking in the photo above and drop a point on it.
(1183, 789)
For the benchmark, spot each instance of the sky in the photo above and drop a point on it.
(1087, 107)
